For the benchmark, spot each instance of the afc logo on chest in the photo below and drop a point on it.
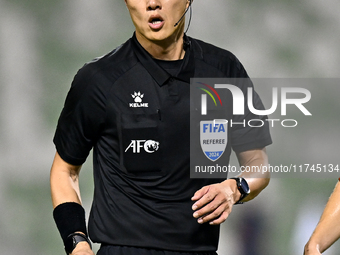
(149, 146)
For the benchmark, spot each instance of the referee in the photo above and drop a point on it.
(131, 107)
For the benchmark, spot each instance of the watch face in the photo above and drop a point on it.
(72, 241)
(244, 186)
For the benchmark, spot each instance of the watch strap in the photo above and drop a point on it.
(72, 241)
(241, 182)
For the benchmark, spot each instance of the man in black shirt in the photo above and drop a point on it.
(132, 107)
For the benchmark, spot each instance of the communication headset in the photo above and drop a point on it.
(186, 10)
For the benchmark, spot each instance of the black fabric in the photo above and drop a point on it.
(147, 159)
(125, 105)
(69, 218)
(172, 67)
(126, 250)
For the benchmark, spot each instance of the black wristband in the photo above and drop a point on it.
(69, 218)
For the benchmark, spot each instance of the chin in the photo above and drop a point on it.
(159, 37)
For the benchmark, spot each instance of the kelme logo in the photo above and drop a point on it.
(138, 100)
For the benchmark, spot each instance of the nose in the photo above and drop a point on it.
(154, 5)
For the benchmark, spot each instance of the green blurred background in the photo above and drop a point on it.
(44, 43)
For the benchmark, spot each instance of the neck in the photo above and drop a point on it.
(168, 49)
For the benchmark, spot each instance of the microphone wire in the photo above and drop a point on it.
(189, 22)
(184, 16)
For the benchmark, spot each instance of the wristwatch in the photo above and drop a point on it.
(242, 187)
(72, 241)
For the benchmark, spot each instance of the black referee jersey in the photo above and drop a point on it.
(134, 112)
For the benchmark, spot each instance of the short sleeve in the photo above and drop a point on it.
(81, 119)
(249, 131)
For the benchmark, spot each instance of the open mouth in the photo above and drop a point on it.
(156, 22)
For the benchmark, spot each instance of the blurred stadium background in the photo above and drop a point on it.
(44, 43)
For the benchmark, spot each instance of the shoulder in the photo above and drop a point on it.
(222, 59)
(97, 76)
(210, 49)
(111, 65)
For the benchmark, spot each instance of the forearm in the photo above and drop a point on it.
(257, 181)
(328, 229)
(64, 182)
(68, 213)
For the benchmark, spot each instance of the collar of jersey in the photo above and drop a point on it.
(158, 73)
